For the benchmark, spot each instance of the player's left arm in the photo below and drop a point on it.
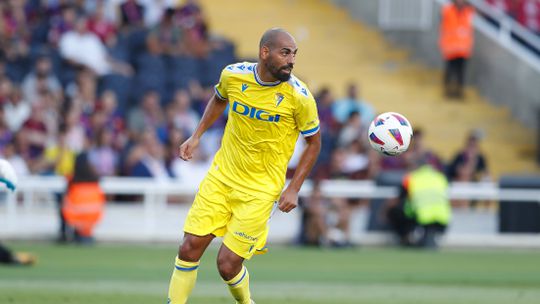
(289, 197)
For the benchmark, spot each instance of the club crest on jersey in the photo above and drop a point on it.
(279, 98)
(244, 87)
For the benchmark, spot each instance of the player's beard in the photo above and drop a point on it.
(279, 73)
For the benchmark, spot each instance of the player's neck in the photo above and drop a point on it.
(264, 75)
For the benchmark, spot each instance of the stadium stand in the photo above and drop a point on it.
(130, 114)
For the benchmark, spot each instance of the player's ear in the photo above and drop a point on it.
(265, 52)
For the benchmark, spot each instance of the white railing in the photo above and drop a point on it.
(156, 192)
(34, 215)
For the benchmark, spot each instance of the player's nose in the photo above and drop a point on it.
(291, 60)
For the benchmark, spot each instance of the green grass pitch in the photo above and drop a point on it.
(133, 274)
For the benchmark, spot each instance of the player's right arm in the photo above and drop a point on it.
(213, 111)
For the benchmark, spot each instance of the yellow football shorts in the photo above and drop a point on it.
(241, 219)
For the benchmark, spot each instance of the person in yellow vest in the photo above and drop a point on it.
(84, 201)
(422, 211)
(456, 43)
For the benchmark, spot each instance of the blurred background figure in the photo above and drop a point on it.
(353, 102)
(83, 203)
(325, 221)
(422, 211)
(469, 164)
(456, 43)
(9, 257)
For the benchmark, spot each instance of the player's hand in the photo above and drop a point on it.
(288, 200)
(187, 148)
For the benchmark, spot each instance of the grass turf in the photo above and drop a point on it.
(139, 274)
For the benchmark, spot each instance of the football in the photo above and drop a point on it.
(390, 133)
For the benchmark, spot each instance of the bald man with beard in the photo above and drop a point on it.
(268, 109)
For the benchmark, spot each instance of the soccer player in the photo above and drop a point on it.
(268, 109)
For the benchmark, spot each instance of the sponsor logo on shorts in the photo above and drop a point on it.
(245, 236)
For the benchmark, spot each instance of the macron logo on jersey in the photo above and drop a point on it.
(254, 113)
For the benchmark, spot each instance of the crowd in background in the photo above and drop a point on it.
(123, 81)
(127, 81)
(525, 12)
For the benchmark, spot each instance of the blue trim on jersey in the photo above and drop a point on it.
(240, 280)
(219, 94)
(8, 184)
(310, 131)
(186, 268)
(263, 83)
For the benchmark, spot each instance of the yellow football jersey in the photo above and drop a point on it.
(264, 122)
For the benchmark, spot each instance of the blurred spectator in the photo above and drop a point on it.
(14, 38)
(6, 136)
(59, 158)
(352, 130)
(419, 151)
(5, 90)
(51, 113)
(61, 24)
(99, 24)
(329, 131)
(75, 133)
(16, 110)
(154, 10)
(113, 119)
(35, 132)
(147, 116)
(359, 162)
(132, 14)
(325, 221)
(84, 202)
(81, 47)
(314, 228)
(83, 91)
(192, 21)
(184, 117)
(9, 153)
(102, 156)
(469, 164)
(456, 43)
(343, 108)
(168, 34)
(150, 159)
(42, 78)
(422, 211)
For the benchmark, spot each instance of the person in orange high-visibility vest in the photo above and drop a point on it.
(84, 201)
(456, 43)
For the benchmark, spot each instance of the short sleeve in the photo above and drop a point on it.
(307, 118)
(222, 86)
